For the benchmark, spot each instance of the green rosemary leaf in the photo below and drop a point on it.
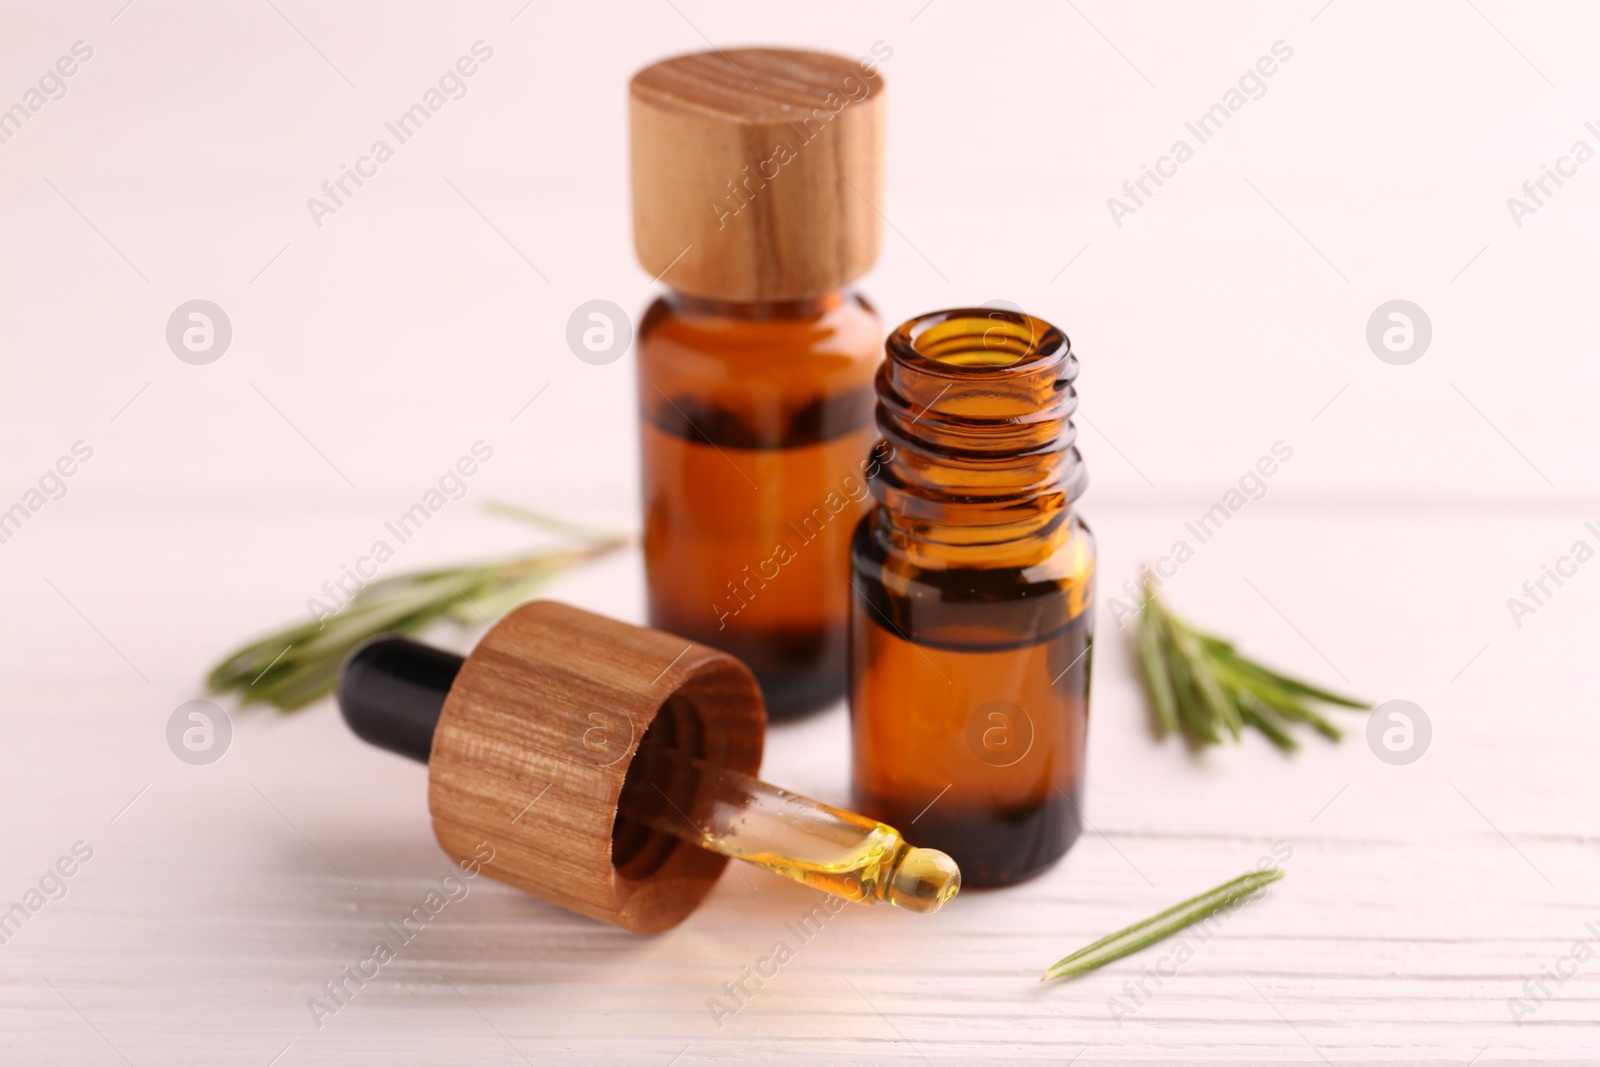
(1207, 687)
(1164, 924)
(1157, 678)
(1212, 642)
(1293, 685)
(1287, 707)
(1262, 718)
(1222, 709)
(305, 682)
(1199, 725)
(253, 660)
(300, 664)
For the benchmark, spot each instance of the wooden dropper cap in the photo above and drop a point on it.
(756, 171)
(533, 737)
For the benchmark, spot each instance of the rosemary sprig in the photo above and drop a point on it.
(1202, 687)
(295, 666)
(1164, 924)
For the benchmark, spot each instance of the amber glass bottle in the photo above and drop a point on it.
(971, 625)
(754, 177)
(757, 421)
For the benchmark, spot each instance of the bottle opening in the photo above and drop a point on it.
(975, 407)
(976, 339)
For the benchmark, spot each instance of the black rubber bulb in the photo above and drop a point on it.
(391, 691)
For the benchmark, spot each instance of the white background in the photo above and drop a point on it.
(1228, 313)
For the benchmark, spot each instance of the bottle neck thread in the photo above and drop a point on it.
(975, 407)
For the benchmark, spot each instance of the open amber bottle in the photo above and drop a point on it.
(755, 172)
(973, 579)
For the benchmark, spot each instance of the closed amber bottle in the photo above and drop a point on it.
(755, 173)
(972, 592)
(756, 422)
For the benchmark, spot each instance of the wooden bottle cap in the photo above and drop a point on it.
(534, 742)
(756, 171)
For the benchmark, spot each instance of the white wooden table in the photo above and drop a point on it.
(1226, 314)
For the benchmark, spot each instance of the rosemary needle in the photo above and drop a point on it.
(1164, 924)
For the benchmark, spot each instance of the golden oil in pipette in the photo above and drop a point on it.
(744, 818)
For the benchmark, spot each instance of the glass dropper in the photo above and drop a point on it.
(391, 691)
(816, 844)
